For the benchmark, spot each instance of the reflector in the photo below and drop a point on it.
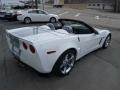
(32, 49)
(25, 46)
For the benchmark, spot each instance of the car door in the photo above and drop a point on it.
(43, 16)
(88, 42)
(89, 39)
(33, 14)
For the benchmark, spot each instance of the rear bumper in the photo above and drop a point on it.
(32, 62)
(11, 17)
(20, 18)
(30, 59)
(42, 64)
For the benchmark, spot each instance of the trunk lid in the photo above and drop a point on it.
(34, 34)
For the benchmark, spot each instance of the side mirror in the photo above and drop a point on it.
(46, 13)
(96, 32)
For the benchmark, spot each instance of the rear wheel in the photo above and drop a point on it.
(27, 20)
(65, 63)
(53, 20)
(107, 42)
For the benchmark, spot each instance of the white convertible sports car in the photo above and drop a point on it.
(36, 15)
(55, 47)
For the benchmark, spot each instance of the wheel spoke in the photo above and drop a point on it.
(70, 65)
(72, 57)
(63, 68)
(107, 42)
(67, 63)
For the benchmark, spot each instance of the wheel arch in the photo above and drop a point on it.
(27, 17)
(110, 35)
(71, 48)
(52, 17)
(107, 35)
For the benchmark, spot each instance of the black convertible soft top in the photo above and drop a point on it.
(59, 24)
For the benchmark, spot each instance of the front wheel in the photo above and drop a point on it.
(65, 63)
(107, 42)
(53, 20)
(27, 20)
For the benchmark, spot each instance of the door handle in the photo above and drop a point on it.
(79, 39)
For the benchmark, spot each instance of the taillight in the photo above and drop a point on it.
(24, 46)
(32, 49)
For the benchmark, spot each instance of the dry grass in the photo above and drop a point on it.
(76, 6)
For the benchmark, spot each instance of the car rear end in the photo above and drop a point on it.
(24, 51)
(21, 15)
(12, 15)
(28, 44)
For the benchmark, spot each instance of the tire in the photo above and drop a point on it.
(53, 20)
(27, 20)
(107, 42)
(64, 66)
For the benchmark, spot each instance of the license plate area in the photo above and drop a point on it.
(15, 46)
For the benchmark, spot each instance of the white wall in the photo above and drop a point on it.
(10, 1)
(101, 5)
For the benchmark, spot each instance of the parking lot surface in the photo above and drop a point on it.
(99, 70)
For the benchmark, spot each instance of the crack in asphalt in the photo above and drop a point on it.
(5, 67)
(105, 60)
(116, 41)
(4, 52)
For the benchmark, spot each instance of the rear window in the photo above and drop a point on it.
(32, 11)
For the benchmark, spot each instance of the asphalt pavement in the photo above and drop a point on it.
(90, 16)
(99, 70)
